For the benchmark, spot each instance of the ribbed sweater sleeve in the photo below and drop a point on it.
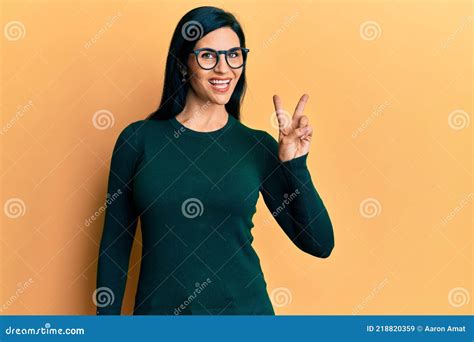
(120, 225)
(290, 195)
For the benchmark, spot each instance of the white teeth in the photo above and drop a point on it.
(219, 81)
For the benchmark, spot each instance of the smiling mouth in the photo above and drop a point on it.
(221, 85)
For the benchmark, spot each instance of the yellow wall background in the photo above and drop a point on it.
(390, 85)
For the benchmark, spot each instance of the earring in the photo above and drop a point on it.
(184, 78)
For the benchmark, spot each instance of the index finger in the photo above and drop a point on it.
(277, 103)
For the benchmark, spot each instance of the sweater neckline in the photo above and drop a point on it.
(185, 130)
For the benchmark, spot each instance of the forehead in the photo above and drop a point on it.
(223, 38)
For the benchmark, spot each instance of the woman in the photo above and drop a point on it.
(192, 172)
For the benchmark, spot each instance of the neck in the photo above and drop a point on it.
(201, 114)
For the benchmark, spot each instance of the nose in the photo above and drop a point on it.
(221, 66)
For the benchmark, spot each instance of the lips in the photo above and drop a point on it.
(220, 84)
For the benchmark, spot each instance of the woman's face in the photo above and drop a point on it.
(221, 39)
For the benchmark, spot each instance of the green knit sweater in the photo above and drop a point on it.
(195, 194)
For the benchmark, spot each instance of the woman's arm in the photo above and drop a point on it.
(119, 226)
(290, 195)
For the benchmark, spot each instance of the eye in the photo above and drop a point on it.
(234, 54)
(207, 55)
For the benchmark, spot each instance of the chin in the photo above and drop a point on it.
(220, 100)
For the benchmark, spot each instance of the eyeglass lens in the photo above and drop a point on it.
(208, 59)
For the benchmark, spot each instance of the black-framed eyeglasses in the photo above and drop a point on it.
(208, 58)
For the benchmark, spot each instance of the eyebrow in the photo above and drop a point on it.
(207, 47)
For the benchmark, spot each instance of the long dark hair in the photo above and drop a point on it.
(192, 26)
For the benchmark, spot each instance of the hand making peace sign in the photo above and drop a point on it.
(294, 133)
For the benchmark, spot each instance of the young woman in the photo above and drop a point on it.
(193, 172)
